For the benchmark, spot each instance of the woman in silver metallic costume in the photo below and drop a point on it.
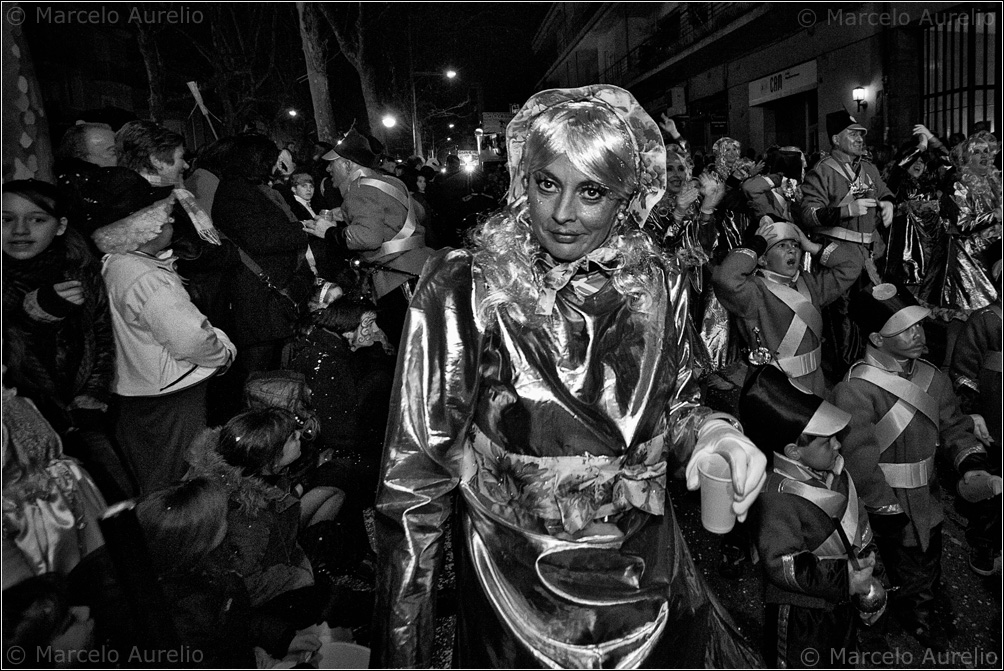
(545, 377)
(970, 240)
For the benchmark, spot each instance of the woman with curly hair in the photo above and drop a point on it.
(545, 377)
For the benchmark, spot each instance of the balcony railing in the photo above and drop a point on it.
(675, 32)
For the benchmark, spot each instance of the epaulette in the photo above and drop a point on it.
(859, 362)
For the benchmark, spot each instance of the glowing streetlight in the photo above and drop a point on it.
(292, 113)
(450, 125)
(388, 121)
(450, 74)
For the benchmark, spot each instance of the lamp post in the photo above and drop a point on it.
(416, 132)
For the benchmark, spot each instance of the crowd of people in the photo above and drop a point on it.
(257, 347)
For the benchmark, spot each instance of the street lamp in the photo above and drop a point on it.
(416, 136)
(388, 121)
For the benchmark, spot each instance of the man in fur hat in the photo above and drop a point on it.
(904, 411)
(380, 223)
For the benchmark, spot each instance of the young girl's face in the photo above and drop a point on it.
(28, 230)
(290, 451)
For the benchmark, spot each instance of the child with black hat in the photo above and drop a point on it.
(777, 305)
(812, 534)
(903, 409)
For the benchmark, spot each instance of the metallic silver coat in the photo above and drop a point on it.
(598, 380)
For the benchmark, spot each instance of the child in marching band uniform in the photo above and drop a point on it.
(777, 305)
(904, 412)
(812, 533)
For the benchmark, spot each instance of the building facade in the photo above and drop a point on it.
(769, 73)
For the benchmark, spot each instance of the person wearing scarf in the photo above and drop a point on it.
(545, 388)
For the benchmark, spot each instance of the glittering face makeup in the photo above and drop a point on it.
(571, 214)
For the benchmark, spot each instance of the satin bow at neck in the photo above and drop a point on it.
(558, 275)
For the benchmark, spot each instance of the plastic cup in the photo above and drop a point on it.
(717, 494)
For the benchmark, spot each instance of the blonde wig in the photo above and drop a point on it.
(598, 143)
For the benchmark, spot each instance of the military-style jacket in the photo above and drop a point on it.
(803, 557)
(900, 418)
(786, 311)
(383, 227)
(976, 367)
(830, 188)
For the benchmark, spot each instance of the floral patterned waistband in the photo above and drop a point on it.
(565, 494)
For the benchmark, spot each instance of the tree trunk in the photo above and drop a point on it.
(317, 70)
(351, 25)
(145, 35)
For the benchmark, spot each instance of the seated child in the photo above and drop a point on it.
(209, 604)
(814, 582)
(41, 629)
(247, 456)
(776, 305)
(904, 412)
(976, 372)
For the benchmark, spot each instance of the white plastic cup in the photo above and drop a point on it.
(717, 494)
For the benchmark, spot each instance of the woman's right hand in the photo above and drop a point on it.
(71, 291)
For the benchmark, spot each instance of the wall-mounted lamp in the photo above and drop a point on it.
(858, 94)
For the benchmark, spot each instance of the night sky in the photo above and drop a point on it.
(93, 61)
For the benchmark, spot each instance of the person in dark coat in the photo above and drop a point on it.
(58, 343)
(252, 215)
(976, 373)
(209, 605)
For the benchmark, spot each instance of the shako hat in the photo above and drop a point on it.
(355, 147)
(774, 412)
(781, 229)
(887, 309)
(837, 122)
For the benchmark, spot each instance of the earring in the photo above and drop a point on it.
(621, 216)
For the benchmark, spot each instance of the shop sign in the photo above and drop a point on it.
(495, 122)
(784, 83)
